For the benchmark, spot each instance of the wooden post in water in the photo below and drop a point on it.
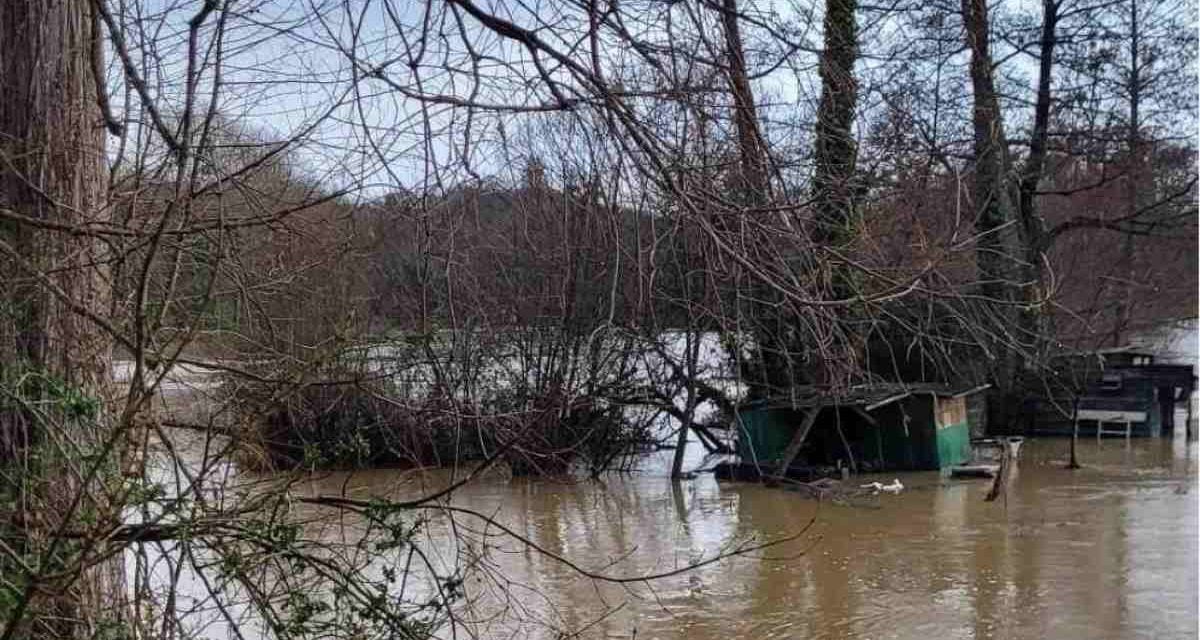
(793, 448)
(846, 445)
(1000, 483)
(1074, 464)
(1188, 423)
(870, 419)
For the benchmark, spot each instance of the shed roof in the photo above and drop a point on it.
(866, 396)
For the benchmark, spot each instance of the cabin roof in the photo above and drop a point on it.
(1129, 349)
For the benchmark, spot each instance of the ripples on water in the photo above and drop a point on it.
(1107, 551)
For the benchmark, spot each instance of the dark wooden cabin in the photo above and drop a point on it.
(1116, 391)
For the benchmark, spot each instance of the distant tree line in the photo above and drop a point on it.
(527, 216)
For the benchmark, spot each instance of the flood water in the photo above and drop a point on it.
(1107, 551)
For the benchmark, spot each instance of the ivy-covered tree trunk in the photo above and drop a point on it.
(834, 173)
(836, 151)
(55, 284)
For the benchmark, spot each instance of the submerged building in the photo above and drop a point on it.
(813, 432)
(1123, 391)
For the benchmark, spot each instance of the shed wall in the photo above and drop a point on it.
(953, 432)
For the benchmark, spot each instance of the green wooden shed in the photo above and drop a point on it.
(866, 428)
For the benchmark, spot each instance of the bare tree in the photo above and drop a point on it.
(493, 233)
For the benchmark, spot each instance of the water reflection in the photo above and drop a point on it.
(1107, 551)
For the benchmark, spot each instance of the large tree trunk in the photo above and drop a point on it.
(52, 179)
(998, 254)
(834, 188)
(1034, 166)
(52, 141)
(997, 257)
(1134, 175)
(836, 151)
(773, 373)
(1032, 224)
(754, 182)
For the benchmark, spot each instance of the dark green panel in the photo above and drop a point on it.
(954, 445)
(764, 433)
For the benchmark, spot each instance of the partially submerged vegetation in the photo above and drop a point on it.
(334, 424)
(578, 230)
(542, 402)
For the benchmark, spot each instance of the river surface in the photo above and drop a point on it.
(1107, 551)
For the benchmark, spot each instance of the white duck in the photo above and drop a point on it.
(893, 488)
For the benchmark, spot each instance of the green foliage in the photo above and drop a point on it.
(114, 630)
(311, 590)
(397, 532)
(32, 403)
(22, 388)
(10, 590)
(72, 401)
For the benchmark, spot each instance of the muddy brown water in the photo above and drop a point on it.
(1107, 551)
